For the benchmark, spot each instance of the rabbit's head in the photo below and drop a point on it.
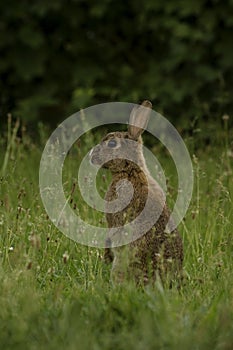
(120, 151)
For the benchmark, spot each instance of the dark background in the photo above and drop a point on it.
(59, 56)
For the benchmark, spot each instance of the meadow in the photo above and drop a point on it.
(57, 294)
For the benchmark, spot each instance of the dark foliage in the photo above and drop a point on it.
(59, 56)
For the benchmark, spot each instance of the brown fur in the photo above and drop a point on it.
(156, 252)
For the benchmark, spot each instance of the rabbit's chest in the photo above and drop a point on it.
(128, 214)
(130, 204)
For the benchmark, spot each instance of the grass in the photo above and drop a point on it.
(56, 294)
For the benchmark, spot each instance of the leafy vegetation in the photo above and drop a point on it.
(56, 294)
(58, 56)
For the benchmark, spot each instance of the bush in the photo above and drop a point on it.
(60, 56)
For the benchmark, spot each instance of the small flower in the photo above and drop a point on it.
(11, 249)
(51, 270)
(225, 117)
(65, 257)
(229, 154)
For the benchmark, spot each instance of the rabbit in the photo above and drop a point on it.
(156, 253)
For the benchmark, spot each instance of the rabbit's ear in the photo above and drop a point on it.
(139, 118)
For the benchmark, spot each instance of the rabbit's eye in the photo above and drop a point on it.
(112, 143)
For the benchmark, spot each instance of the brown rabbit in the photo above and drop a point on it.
(156, 252)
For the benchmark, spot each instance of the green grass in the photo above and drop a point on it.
(57, 294)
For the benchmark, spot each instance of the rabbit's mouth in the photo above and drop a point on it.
(94, 159)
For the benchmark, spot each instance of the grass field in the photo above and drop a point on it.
(56, 294)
